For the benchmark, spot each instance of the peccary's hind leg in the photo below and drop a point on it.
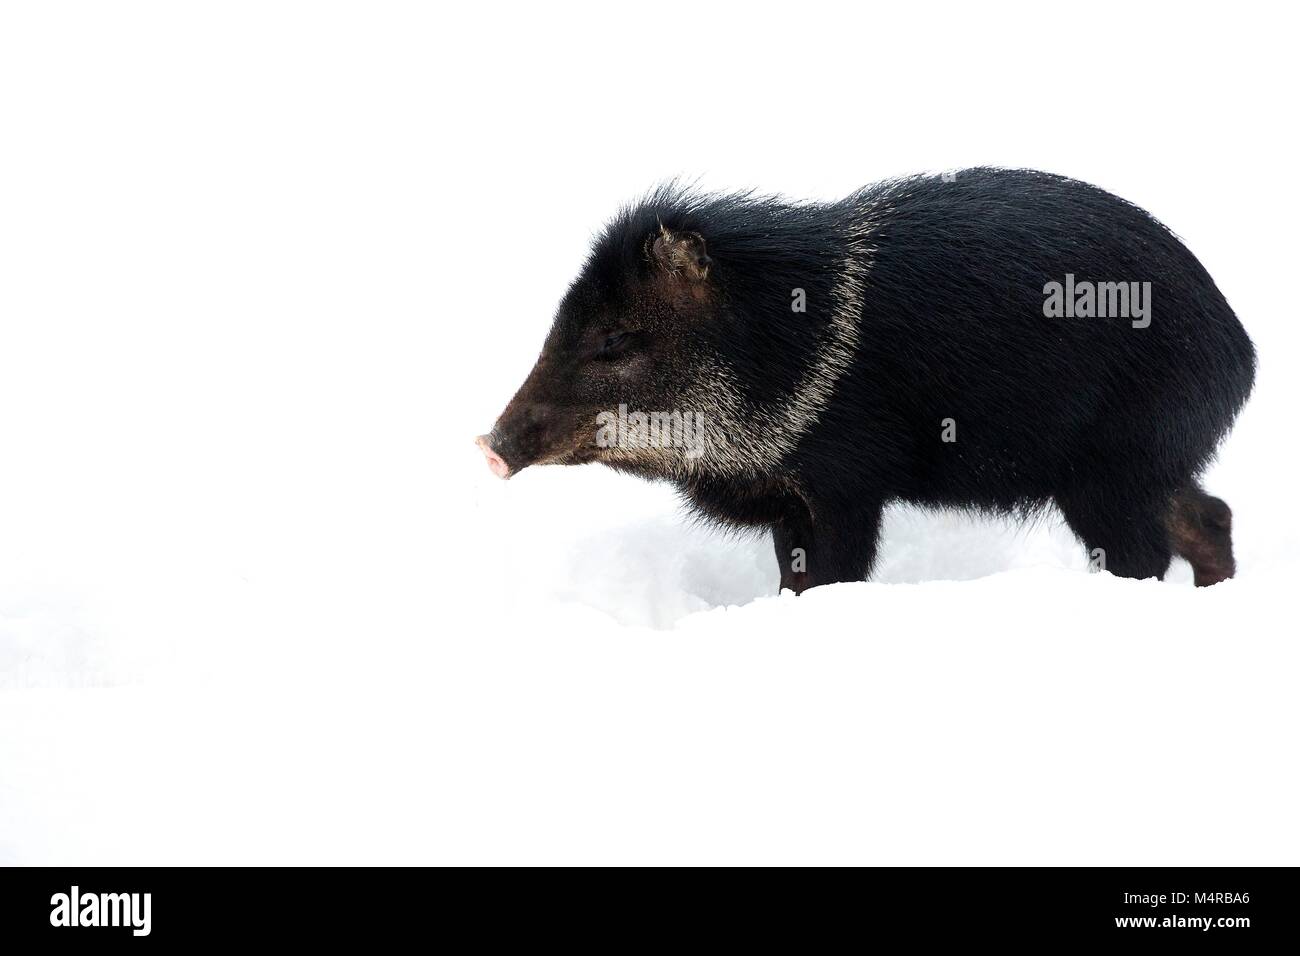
(1124, 531)
(839, 544)
(1200, 530)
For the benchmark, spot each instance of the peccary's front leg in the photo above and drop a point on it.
(832, 545)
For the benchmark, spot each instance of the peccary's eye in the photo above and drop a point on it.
(614, 345)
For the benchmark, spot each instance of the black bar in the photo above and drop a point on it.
(1228, 908)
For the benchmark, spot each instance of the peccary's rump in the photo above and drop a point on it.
(992, 339)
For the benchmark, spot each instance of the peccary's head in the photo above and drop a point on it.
(621, 375)
(684, 346)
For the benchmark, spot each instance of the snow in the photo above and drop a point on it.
(262, 602)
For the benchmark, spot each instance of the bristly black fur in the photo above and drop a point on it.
(1114, 423)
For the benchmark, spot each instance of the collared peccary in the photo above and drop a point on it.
(993, 339)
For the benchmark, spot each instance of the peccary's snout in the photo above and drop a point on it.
(524, 435)
(496, 463)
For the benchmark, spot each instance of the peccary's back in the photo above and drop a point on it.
(975, 381)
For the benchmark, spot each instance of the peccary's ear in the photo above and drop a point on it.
(681, 254)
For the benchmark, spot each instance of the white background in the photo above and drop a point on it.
(266, 269)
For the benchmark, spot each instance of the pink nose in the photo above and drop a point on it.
(495, 461)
